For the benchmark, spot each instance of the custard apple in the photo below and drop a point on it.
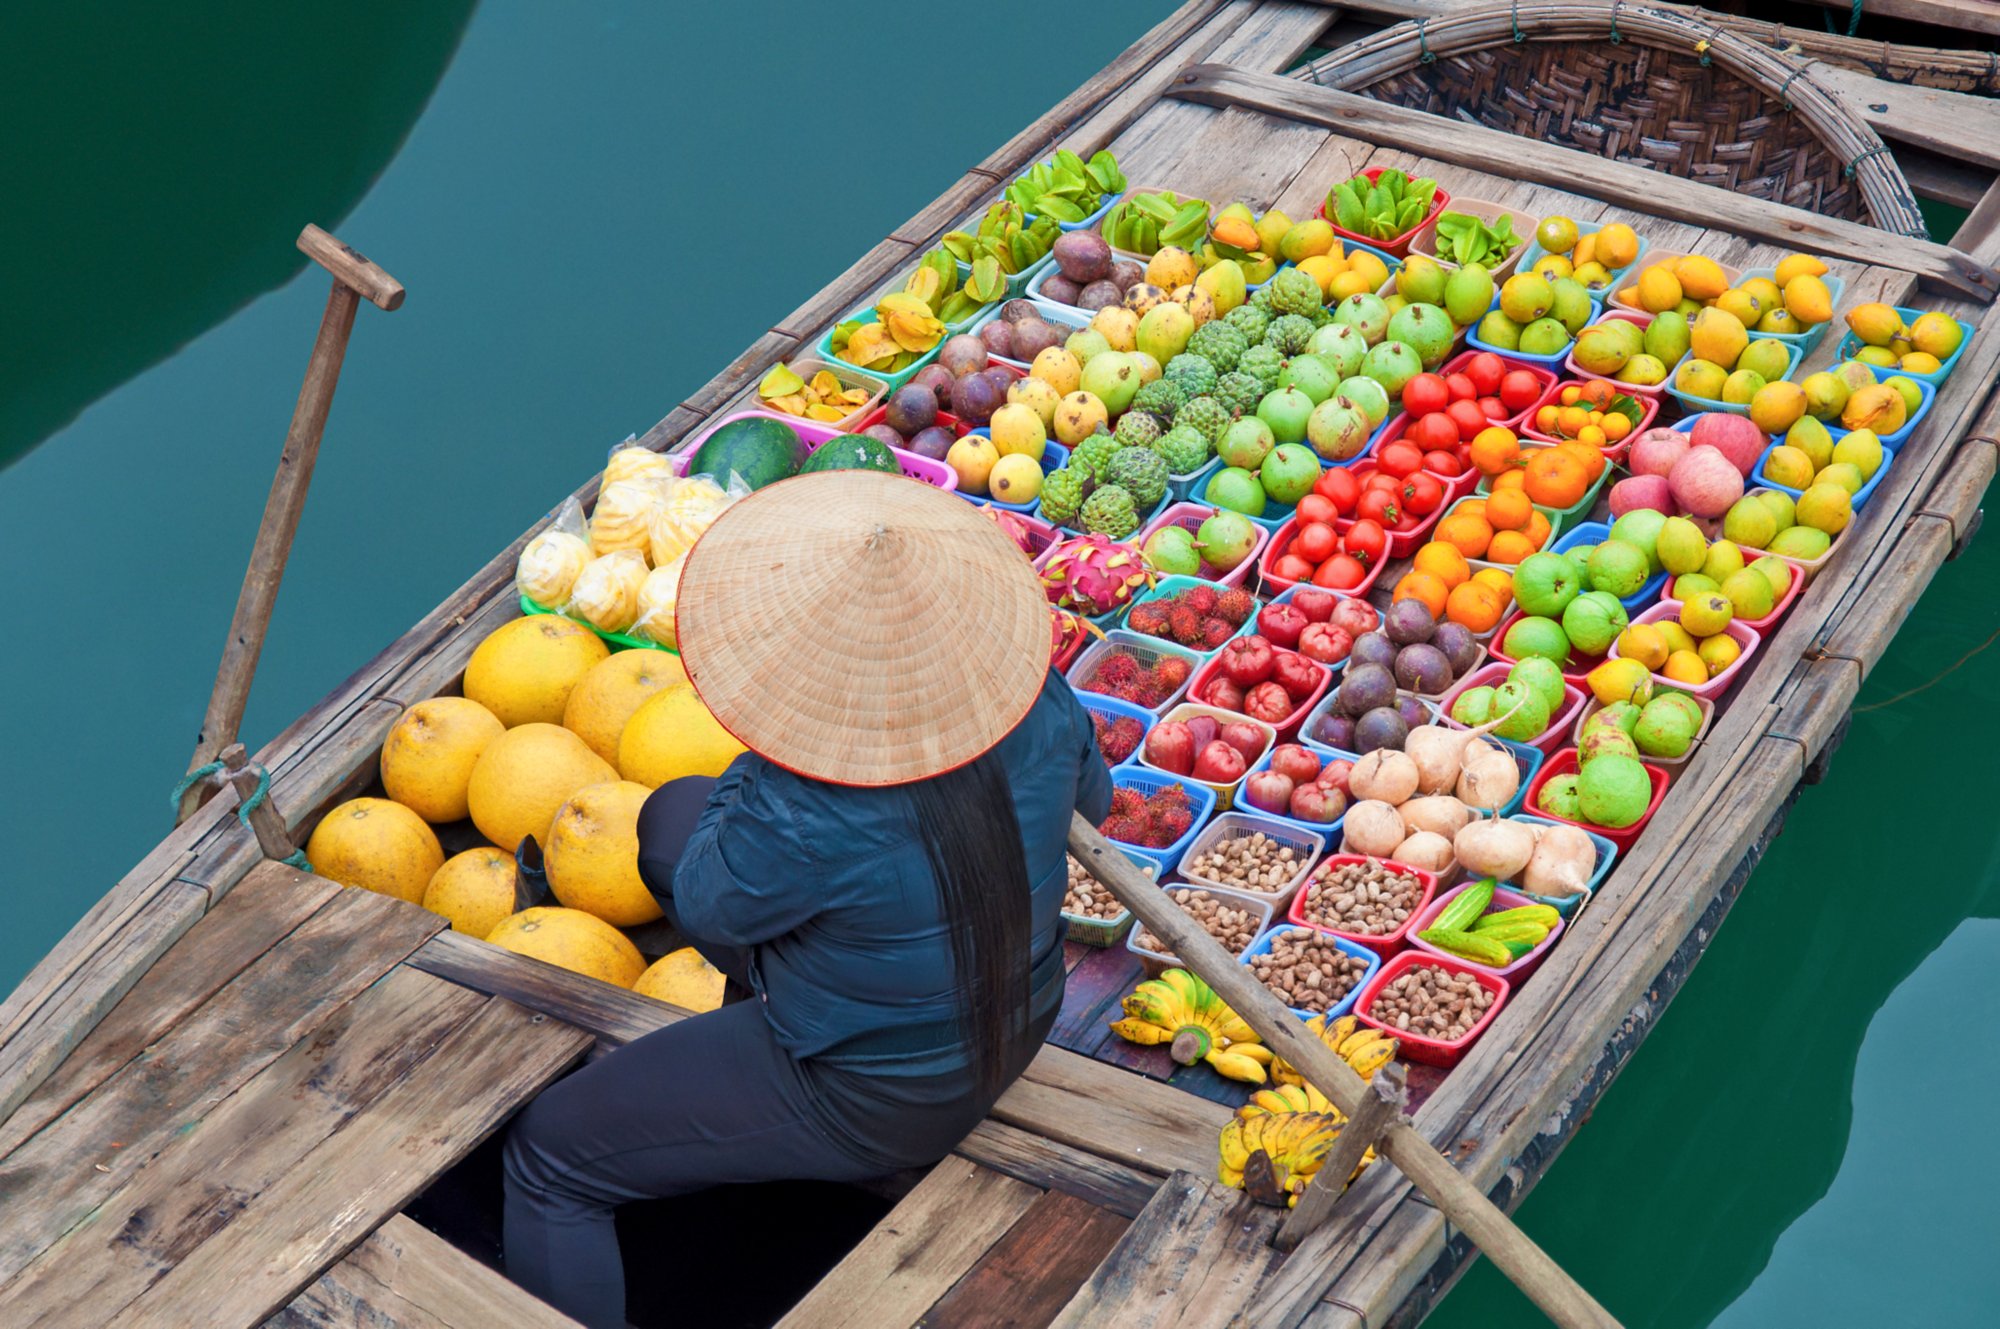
(1248, 320)
(1141, 473)
(1183, 450)
(1093, 454)
(1239, 392)
(1206, 416)
(1192, 374)
(1109, 511)
(1162, 397)
(1293, 291)
(1260, 300)
(1288, 334)
(1062, 495)
(1263, 364)
(1137, 429)
(1220, 344)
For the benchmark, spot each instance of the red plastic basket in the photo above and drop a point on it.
(1564, 763)
(1383, 944)
(1415, 1047)
(1402, 543)
(1288, 728)
(1546, 377)
(1276, 585)
(1551, 739)
(1398, 246)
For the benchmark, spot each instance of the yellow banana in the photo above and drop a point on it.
(1357, 1040)
(1373, 1058)
(1235, 1066)
(1141, 1032)
(1235, 1153)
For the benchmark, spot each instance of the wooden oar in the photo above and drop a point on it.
(1511, 1250)
(354, 279)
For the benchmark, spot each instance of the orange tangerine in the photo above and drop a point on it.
(1597, 393)
(1590, 458)
(1573, 419)
(1475, 605)
(1513, 479)
(1502, 582)
(1494, 449)
(1425, 587)
(1571, 394)
(1508, 510)
(1555, 478)
(1538, 529)
(1591, 434)
(1443, 560)
(1546, 417)
(1509, 547)
(1616, 427)
(1467, 532)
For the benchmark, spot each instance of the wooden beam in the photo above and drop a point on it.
(1979, 234)
(1940, 179)
(1667, 195)
(1961, 15)
(1955, 124)
(1382, 1104)
(408, 1276)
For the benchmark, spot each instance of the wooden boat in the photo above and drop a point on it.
(220, 1091)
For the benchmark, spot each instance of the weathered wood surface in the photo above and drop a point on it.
(405, 1275)
(1028, 1275)
(1968, 16)
(1956, 124)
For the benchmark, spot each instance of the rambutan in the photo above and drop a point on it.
(1129, 829)
(1118, 668)
(1149, 618)
(1128, 803)
(1214, 632)
(1201, 599)
(1117, 738)
(1236, 605)
(1184, 625)
(1170, 672)
(1171, 825)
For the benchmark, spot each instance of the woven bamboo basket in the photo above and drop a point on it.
(1637, 85)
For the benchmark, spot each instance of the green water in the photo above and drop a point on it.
(594, 207)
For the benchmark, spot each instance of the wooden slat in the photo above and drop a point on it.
(408, 1276)
(928, 1241)
(1667, 195)
(613, 1015)
(1979, 234)
(1187, 1262)
(1055, 1166)
(1934, 176)
(1028, 1275)
(194, 1188)
(285, 1237)
(1113, 1113)
(1964, 15)
(1956, 124)
(81, 1157)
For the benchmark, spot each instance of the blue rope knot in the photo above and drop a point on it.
(243, 808)
(1615, 38)
(1424, 56)
(1514, 17)
(1783, 100)
(1847, 172)
(190, 780)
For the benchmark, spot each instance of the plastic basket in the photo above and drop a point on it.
(1849, 344)
(1669, 764)
(1503, 898)
(823, 348)
(1262, 946)
(1384, 944)
(1560, 519)
(1147, 650)
(1575, 668)
(1692, 404)
(620, 640)
(1649, 412)
(1492, 676)
(1325, 706)
(1836, 287)
(1596, 533)
(1746, 636)
(1859, 498)
(1189, 517)
(1201, 803)
(1107, 932)
(1425, 240)
(1156, 963)
(1054, 457)
(1761, 626)
(1290, 593)
(1289, 726)
(1273, 584)
(1568, 905)
(1396, 246)
(1112, 706)
(1057, 315)
(1309, 844)
(1416, 1047)
(1564, 763)
(1640, 390)
(1583, 228)
(805, 367)
(1551, 361)
(1225, 794)
(1617, 299)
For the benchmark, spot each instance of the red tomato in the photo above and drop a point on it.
(1436, 430)
(1494, 408)
(1425, 393)
(1378, 505)
(1400, 457)
(1422, 494)
(1315, 542)
(1444, 462)
(1340, 573)
(1366, 542)
(1486, 371)
(1469, 419)
(1316, 507)
(1379, 482)
(1292, 568)
(1461, 387)
(1339, 485)
(1519, 390)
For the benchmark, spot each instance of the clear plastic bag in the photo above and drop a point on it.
(551, 562)
(658, 596)
(606, 594)
(623, 517)
(629, 461)
(690, 508)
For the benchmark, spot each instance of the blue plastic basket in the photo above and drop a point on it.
(1566, 905)
(1017, 282)
(1552, 362)
(1836, 287)
(823, 348)
(1054, 456)
(1201, 802)
(1596, 533)
(1860, 496)
(1850, 343)
(1111, 706)
(1324, 707)
(1148, 649)
(1167, 587)
(1535, 251)
(1262, 946)
(1693, 404)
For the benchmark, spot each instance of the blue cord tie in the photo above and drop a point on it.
(1424, 56)
(244, 808)
(1514, 17)
(1847, 172)
(1783, 100)
(1615, 38)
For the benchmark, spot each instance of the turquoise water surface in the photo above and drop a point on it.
(595, 207)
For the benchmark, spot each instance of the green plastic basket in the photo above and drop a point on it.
(620, 640)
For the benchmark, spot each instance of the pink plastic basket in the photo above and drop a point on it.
(1415, 1047)
(1649, 411)
(813, 434)
(1564, 763)
(1746, 636)
(1493, 675)
(1575, 370)
(1189, 517)
(1502, 899)
(1759, 625)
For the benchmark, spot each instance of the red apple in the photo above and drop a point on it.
(1282, 624)
(1247, 661)
(1269, 791)
(1219, 764)
(1334, 775)
(1295, 762)
(1270, 703)
(1170, 746)
(1354, 616)
(1325, 643)
(1223, 695)
(1317, 606)
(1317, 803)
(1245, 737)
(1298, 676)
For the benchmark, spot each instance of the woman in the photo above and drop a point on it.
(882, 871)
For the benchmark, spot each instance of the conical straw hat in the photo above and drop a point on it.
(862, 628)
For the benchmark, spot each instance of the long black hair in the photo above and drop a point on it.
(966, 824)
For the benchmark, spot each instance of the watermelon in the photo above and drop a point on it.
(852, 452)
(757, 450)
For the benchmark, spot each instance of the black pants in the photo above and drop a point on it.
(709, 1101)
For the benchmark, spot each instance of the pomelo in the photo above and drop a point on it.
(474, 890)
(428, 757)
(525, 776)
(376, 845)
(523, 672)
(593, 854)
(573, 940)
(684, 979)
(672, 735)
(605, 698)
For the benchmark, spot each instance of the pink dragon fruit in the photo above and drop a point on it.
(1094, 574)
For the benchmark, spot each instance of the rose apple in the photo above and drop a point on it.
(1205, 730)
(1269, 791)
(1282, 624)
(1170, 746)
(1245, 737)
(1295, 762)
(1355, 617)
(1218, 763)
(1298, 676)
(1248, 661)
(1317, 606)
(1334, 775)
(1223, 695)
(1317, 803)
(1270, 703)
(1325, 643)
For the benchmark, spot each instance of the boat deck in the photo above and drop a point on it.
(218, 1093)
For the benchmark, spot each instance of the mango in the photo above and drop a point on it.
(1666, 337)
(1718, 337)
(1878, 407)
(1803, 542)
(1808, 300)
(1825, 395)
(1875, 323)
(1697, 378)
(1826, 508)
(1700, 277)
(1770, 360)
(1861, 449)
(1778, 406)
(1798, 265)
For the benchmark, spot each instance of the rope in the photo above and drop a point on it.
(1513, 17)
(1424, 56)
(1847, 172)
(1782, 98)
(1853, 19)
(1911, 692)
(1615, 38)
(218, 773)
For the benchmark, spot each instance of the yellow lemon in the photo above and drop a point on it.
(428, 757)
(1719, 652)
(573, 940)
(377, 845)
(684, 979)
(524, 670)
(671, 735)
(1705, 614)
(1621, 679)
(593, 854)
(474, 890)
(1685, 667)
(1645, 643)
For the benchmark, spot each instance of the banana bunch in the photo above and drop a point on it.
(1066, 187)
(1273, 1156)
(1290, 1098)
(1366, 1050)
(1142, 223)
(1179, 1009)
(1006, 236)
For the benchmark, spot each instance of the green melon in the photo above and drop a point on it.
(852, 452)
(758, 450)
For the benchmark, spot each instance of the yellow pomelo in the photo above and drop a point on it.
(673, 735)
(428, 757)
(524, 670)
(604, 699)
(683, 979)
(593, 854)
(475, 890)
(525, 776)
(378, 846)
(574, 941)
